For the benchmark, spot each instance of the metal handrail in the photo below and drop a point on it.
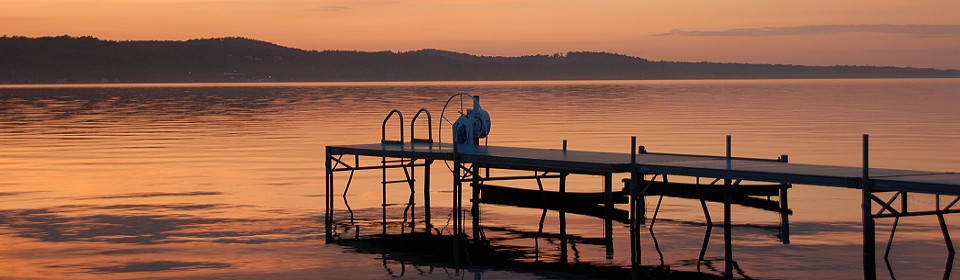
(413, 130)
(383, 128)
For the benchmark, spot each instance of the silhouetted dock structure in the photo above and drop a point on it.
(649, 174)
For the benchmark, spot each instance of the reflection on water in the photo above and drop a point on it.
(226, 181)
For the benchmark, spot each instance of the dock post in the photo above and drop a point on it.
(412, 204)
(727, 230)
(383, 205)
(634, 227)
(455, 216)
(608, 213)
(328, 194)
(642, 197)
(475, 209)
(869, 242)
(563, 218)
(426, 195)
(784, 205)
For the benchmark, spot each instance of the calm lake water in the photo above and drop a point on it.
(186, 181)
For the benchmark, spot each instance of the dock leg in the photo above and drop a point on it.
(383, 194)
(666, 184)
(563, 218)
(950, 249)
(869, 230)
(784, 216)
(949, 269)
(328, 194)
(475, 209)
(634, 227)
(706, 242)
(426, 197)
(706, 235)
(536, 239)
(455, 215)
(784, 206)
(608, 213)
(706, 212)
(412, 182)
(886, 253)
(727, 232)
(946, 234)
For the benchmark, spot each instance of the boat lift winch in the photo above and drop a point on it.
(470, 125)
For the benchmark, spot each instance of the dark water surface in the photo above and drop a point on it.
(184, 181)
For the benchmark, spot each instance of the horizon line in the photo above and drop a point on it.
(409, 82)
(456, 52)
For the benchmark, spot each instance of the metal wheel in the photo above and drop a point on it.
(452, 110)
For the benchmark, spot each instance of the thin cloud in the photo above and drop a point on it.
(331, 8)
(909, 29)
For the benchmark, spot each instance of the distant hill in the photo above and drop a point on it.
(67, 59)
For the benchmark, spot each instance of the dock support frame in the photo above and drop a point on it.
(465, 171)
(335, 163)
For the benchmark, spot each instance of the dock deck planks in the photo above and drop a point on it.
(588, 162)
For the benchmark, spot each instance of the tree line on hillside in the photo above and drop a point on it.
(66, 59)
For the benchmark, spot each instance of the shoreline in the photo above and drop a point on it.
(413, 82)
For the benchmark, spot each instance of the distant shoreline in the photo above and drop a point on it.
(88, 60)
(394, 83)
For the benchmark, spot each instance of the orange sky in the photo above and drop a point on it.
(919, 33)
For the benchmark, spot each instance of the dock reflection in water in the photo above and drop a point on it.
(506, 247)
(515, 247)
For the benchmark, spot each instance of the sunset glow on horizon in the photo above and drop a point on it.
(889, 33)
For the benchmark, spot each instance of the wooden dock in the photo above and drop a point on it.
(472, 163)
(599, 163)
